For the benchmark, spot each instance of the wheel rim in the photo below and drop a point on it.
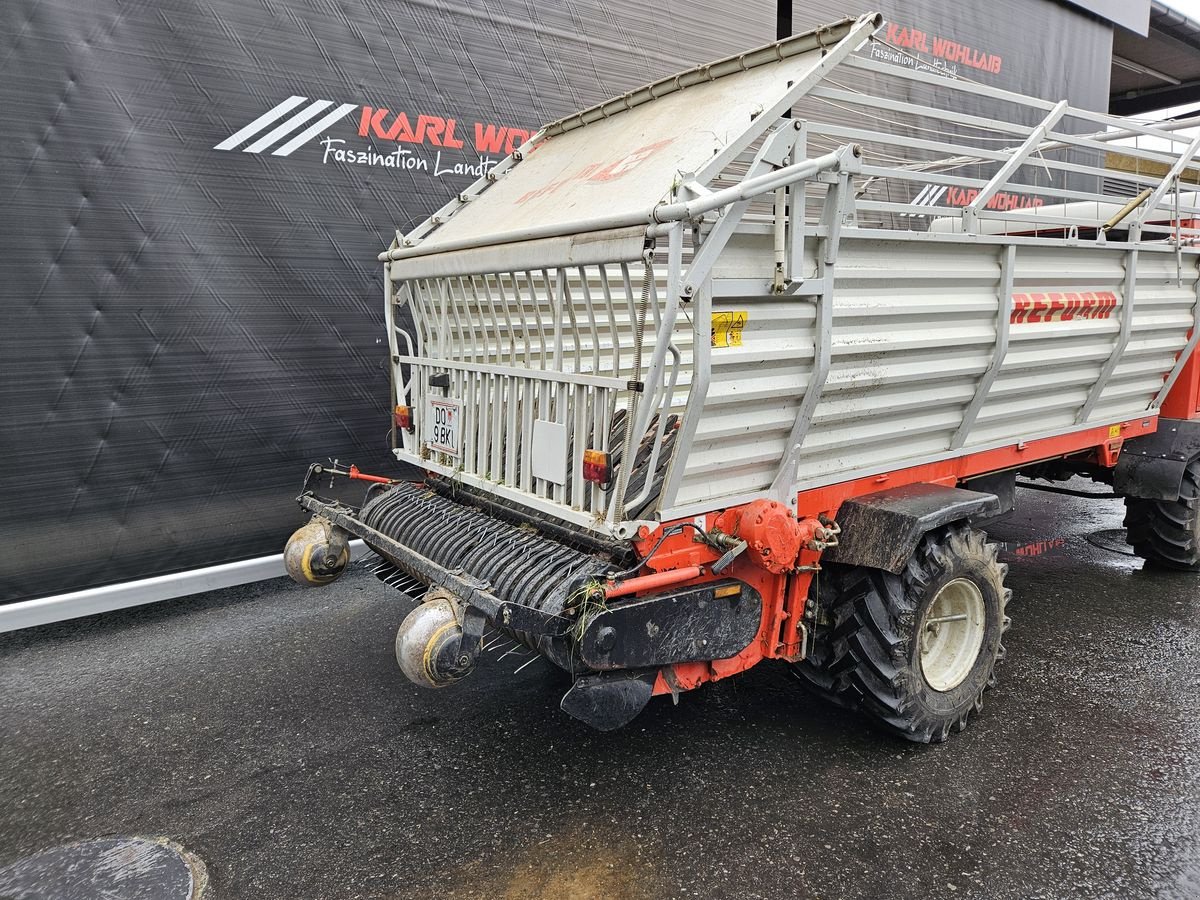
(951, 634)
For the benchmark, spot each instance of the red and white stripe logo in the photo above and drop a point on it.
(291, 133)
(1062, 306)
(928, 196)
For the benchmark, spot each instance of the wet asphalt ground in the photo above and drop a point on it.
(268, 730)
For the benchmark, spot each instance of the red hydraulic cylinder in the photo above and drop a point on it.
(650, 582)
(361, 476)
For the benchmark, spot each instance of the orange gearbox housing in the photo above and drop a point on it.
(773, 534)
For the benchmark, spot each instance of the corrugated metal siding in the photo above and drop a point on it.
(914, 330)
(753, 397)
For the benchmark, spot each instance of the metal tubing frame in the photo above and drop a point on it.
(662, 341)
(969, 155)
(662, 408)
(843, 159)
(797, 227)
(971, 212)
(1172, 175)
(822, 362)
(661, 213)
(582, 226)
(1114, 359)
(604, 381)
(729, 221)
(834, 56)
(1008, 256)
(698, 390)
(839, 203)
(916, 175)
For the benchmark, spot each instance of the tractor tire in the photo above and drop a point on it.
(1167, 532)
(914, 651)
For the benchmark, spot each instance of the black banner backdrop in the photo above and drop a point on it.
(192, 317)
(194, 193)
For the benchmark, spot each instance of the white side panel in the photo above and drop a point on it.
(914, 329)
(753, 398)
(1164, 315)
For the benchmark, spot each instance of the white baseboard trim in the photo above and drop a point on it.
(43, 611)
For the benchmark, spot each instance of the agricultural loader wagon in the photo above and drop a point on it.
(701, 376)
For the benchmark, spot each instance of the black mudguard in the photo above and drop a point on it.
(882, 530)
(1151, 467)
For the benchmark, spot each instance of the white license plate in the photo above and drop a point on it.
(445, 426)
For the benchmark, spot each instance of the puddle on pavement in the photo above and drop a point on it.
(569, 866)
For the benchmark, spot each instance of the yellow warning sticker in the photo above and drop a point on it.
(727, 327)
(1114, 431)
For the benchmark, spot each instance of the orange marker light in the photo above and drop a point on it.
(404, 418)
(597, 466)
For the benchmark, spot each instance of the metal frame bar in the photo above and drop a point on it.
(997, 181)
(663, 410)
(1008, 256)
(516, 372)
(1122, 341)
(664, 331)
(1172, 175)
(1113, 128)
(519, 493)
(883, 234)
(822, 362)
(843, 159)
(714, 244)
(943, 83)
(797, 227)
(698, 392)
(834, 56)
(916, 175)
(839, 203)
